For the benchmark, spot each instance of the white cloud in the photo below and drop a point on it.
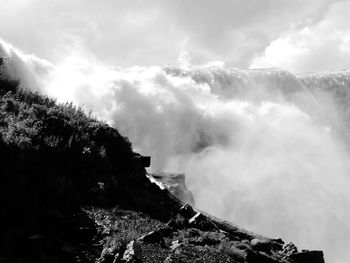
(322, 46)
(154, 32)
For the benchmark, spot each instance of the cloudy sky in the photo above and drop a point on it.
(296, 35)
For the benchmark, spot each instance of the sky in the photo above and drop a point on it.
(299, 36)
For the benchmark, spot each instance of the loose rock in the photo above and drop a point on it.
(308, 257)
(153, 237)
(131, 254)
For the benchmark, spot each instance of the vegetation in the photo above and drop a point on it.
(54, 160)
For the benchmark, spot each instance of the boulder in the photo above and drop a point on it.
(266, 245)
(142, 161)
(289, 250)
(308, 257)
(132, 253)
(175, 244)
(202, 222)
(259, 257)
(153, 237)
(261, 245)
(187, 211)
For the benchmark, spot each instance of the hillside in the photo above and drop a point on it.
(73, 190)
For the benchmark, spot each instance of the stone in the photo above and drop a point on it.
(200, 221)
(178, 222)
(132, 253)
(277, 244)
(267, 245)
(258, 257)
(153, 237)
(187, 211)
(261, 245)
(166, 231)
(308, 257)
(238, 254)
(288, 250)
(175, 244)
(142, 161)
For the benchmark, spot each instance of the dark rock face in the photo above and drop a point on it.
(187, 211)
(258, 257)
(143, 161)
(175, 183)
(202, 222)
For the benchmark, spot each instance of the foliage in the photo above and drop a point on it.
(54, 159)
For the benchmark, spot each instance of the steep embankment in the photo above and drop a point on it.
(72, 190)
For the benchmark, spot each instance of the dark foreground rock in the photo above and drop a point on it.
(308, 257)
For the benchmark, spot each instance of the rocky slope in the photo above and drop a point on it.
(73, 190)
